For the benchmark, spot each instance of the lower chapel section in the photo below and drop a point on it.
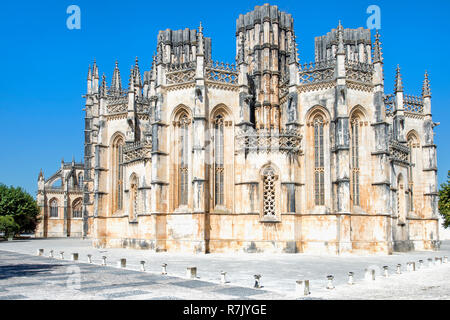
(265, 155)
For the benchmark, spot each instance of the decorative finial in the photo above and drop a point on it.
(377, 52)
(398, 81)
(200, 28)
(89, 73)
(103, 86)
(426, 90)
(340, 38)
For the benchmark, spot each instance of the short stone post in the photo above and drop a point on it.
(436, 260)
(164, 268)
(61, 254)
(330, 282)
(445, 259)
(75, 256)
(122, 263)
(191, 272)
(411, 266)
(223, 277)
(104, 261)
(142, 265)
(386, 271)
(370, 274)
(350, 278)
(430, 262)
(40, 252)
(302, 288)
(420, 266)
(51, 254)
(440, 260)
(399, 268)
(257, 280)
(89, 258)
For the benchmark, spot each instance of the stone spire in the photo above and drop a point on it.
(131, 80)
(426, 91)
(103, 90)
(340, 38)
(89, 76)
(95, 69)
(377, 52)
(398, 81)
(116, 82)
(201, 45)
(137, 74)
(41, 175)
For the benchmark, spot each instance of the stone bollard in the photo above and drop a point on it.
(75, 256)
(142, 265)
(445, 259)
(89, 258)
(164, 268)
(411, 266)
(330, 282)
(350, 278)
(420, 266)
(223, 277)
(399, 268)
(122, 263)
(430, 262)
(369, 274)
(302, 288)
(104, 261)
(257, 280)
(386, 272)
(61, 254)
(40, 252)
(51, 254)
(191, 272)
(440, 260)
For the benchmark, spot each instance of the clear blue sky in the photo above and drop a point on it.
(44, 64)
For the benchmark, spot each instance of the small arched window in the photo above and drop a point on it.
(77, 209)
(80, 180)
(319, 167)
(269, 191)
(54, 208)
(218, 161)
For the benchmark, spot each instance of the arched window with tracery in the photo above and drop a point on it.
(218, 160)
(77, 211)
(268, 191)
(133, 196)
(412, 145)
(319, 167)
(355, 142)
(183, 135)
(117, 166)
(80, 180)
(54, 208)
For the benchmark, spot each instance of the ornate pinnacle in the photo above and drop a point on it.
(95, 69)
(116, 83)
(89, 73)
(398, 81)
(200, 28)
(131, 79)
(377, 53)
(41, 175)
(426, 91)
(103, 86)
(340, 38)
(241, 52)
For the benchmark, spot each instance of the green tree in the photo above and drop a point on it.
(8, 226)
(444, 201)
(21, 206)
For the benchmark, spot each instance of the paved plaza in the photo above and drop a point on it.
(24, 275)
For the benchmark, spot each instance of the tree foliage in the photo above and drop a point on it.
(8, 226)
(21, 206)
(444, 201)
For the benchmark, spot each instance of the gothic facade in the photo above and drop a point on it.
(265, 155)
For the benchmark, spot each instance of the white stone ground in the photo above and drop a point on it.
(279, 271)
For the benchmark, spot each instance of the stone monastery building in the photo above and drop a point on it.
(267, 155)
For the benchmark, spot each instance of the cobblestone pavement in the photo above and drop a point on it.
(24, 275)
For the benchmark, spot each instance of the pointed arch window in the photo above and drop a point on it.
(118, 173)
(218, 161)
(80, 180)
(183, 134)
(54, 208)
(77, 209)
(269, 191)
(319, 167)
(355, 141)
